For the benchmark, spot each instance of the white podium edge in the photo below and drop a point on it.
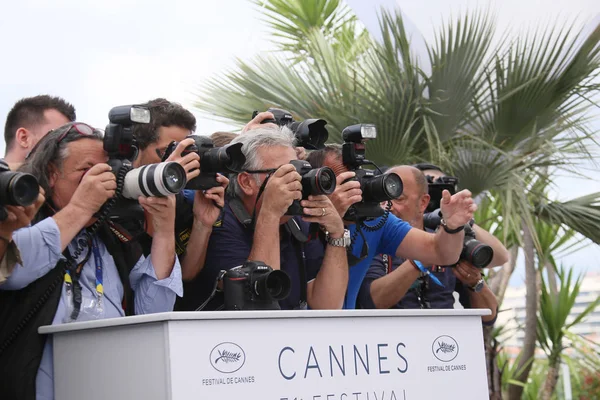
(221, 315)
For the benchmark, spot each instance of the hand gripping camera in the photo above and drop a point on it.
(375, 188)
(314, 182)
(16, 189)
(255, 286)
(475, 252)
(310, 133)
(224, 160)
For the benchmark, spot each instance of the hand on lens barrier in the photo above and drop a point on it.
(282, 189)
(162, 213)
(190, 162)
(208, 204)
(457, 209)
(97, 186)
(467, 273)
(20, 217)
(320, 209)
(256, 122)
(345, 194)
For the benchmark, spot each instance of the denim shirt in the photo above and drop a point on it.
(41, 250)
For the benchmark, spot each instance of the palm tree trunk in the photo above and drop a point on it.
(552, 278)
(499, 282)
(531, 306)
(552, 378)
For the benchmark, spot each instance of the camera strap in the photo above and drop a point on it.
(298, 240)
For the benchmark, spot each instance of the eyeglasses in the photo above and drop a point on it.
(79, 127)
(261, 171)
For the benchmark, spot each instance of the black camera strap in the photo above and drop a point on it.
(298, 240)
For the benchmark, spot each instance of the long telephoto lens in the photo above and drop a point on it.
(274, 285)
(222, 159)
(477, 253)
(154, 180)
(318, 181)
(18, 189)
(382, 188)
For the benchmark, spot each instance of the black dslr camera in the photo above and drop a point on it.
(436, 187)
(16, 189)
(475, 252)
(314, 182)
(255, 286)
(310, 133)
(375, 188)
(225, 160)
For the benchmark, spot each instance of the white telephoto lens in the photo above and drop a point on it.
(158, 180)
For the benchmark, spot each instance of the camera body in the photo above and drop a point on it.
(224, 160)
(436, 187)
(16, 189)
(255, 286)
(315, 181)
(310, 133)
(473, 251)
(376, 188)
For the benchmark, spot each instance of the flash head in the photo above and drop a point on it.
(127, 115)
(359, 133)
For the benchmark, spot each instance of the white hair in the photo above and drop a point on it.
(255, 139)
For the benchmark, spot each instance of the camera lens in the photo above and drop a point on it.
(227, 159)
(311, 133)
(318, 181)
(381, 188)
(158, 180)
(275, 285)
(18, 189)
(477, 253)
(173, 175)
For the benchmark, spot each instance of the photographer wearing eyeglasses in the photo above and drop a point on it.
(256, 226)
(395, 282)
(75, 267)
(197, 211)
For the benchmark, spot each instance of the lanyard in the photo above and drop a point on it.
(72, 284)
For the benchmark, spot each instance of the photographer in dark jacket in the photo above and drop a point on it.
(394, 282)
(196, 216)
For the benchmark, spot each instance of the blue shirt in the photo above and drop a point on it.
(41, 250)
(230, 245)
(385, 240)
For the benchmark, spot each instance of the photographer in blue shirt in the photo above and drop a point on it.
(389, 234)
(395, 282)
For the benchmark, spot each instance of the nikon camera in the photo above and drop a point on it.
(375, 188)
(475, 252)
(213, 160)
(255, 286)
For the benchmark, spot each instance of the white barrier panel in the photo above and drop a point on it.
(282, 355)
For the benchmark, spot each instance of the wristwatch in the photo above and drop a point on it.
(344, 241)
(478, 287)
(448, 230)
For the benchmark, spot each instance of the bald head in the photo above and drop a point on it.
(412, 174)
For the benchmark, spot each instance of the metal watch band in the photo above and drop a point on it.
(344, 241)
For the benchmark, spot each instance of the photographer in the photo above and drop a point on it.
(29, 120)
(255, 227)
(388, 234)
(76, 268)
(170, 122)
(395, 282)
